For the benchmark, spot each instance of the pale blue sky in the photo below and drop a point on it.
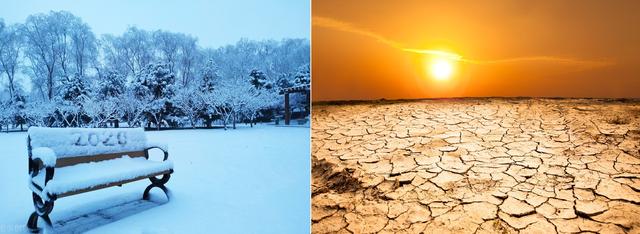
(214, 23)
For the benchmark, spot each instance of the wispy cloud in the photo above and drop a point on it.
(346, 27)
(438, 53)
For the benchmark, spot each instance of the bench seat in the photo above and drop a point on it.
(96, 175)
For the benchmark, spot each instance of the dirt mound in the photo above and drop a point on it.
(327, 176)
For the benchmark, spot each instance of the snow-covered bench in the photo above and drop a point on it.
(69, 161)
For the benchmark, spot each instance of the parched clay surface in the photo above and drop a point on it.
(477, 166)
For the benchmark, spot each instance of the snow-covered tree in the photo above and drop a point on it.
(141, 77)
(190, 103)
(303, 75)
(83, 47)
(210, 76)
(5, 116)
(132, 106)
(257, 78)
(103, 110)
(227, 102)
(41, 113)
(105, 104)
(18, 108)
(208, 84)
(187, 59)
(58, 45)
(113, 84)
(166, 43)
(130, 53)
(74, 89)
(13, 111)
(42, 49)
(284, 82)
(74, 95)
(155, 87)
(256, 101)
(10, 44)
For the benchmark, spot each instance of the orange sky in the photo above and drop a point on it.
(363, 49)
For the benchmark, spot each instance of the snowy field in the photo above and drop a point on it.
(248, 180)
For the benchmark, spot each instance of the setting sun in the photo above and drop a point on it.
(441, 68)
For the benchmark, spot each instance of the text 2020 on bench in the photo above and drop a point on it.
(69, 161)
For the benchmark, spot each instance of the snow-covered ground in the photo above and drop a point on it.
(248, 180)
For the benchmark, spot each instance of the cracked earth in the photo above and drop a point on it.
(477, 166)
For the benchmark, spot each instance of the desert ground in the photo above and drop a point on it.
(493, 165)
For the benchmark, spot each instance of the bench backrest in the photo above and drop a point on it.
(79, 145)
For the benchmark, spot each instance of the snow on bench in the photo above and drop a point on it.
(69, 161)
(104, 172)
(71, 142)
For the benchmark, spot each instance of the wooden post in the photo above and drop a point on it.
(287, 109)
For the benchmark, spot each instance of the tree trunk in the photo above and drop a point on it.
(50, 83)
(158, 121)
(287, 109)
(11, 89)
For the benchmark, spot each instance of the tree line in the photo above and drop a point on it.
(56, 72)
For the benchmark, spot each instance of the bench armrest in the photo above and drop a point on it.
(42, 157)
(45, 155)
(152, 144)
(157, 145)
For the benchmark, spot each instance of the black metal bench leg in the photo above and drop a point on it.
(145, 196)
(32, 224)
(157, 183)
(47, 220)
(42, 210)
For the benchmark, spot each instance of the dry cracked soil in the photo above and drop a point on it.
(476, 166)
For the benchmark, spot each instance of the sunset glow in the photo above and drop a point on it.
(441, 49)
(441, 69)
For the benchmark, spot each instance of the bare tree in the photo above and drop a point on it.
(10, 43)
(188, 56)
(190, 102)
(59, 44)
(179, 51)
(83, 46)
(41, 49)
(167, 43)
(131, 51)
